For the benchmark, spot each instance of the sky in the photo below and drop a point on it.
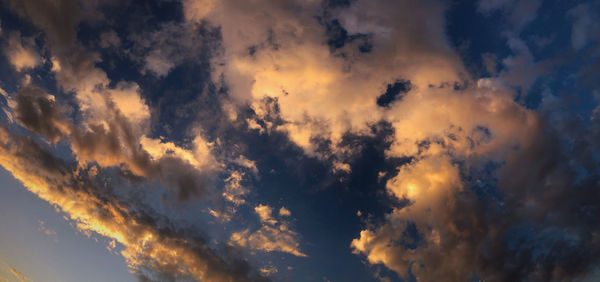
(299, 140)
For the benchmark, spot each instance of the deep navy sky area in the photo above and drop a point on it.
(356, 140)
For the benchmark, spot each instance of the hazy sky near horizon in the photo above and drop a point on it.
(299, 140)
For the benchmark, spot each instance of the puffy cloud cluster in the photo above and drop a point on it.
(280, 52)
(326, 69)
(113, 143)
(115, 118)
(533, 224)
(438, 129)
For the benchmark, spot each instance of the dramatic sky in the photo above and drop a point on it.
(299, 140)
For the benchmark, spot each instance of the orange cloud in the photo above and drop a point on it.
(95, 212)
(273, 235)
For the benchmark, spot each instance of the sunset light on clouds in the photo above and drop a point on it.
(299, 140)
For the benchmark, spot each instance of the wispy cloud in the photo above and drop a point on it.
(273, 234)
(18, 274)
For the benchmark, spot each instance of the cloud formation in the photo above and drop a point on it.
(273, 235)
(145, 241)
(318, 93)
(481, 152)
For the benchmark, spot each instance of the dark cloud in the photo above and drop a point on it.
(114, 144)
(36, 110)
(58, 19)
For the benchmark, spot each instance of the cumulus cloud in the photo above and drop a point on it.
(115, 118)
(280, 52)
(472, 209)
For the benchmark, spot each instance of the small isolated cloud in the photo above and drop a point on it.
(49, 232)
(284, 212)
(269, 270)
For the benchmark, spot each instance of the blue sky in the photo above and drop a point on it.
(356, 140)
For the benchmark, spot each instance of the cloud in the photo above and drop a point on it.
(197, 10)
(21, 52)
(273, 235)
(18, 274)
(280, 52)
(46, 230)
(113, 120)
(145, 241)
(487, 187)
(284, 212)
(485, 197)
(37, 111)
(162, 49)
(268, 271)
(234, 190)
(114, 117)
